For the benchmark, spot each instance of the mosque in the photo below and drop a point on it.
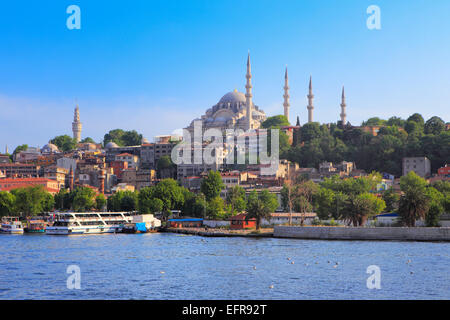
(236, 110)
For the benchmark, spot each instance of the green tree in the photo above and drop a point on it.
(64, 142)
(391, 198)
(87, 140)
(83, 199)
(33, 200)
(414, 203)
(212, 185)
(123, 138)
(194, 205)
(436, 208)
(215, 208)
(261, 205)
(7, 203)
(362, 206)
(236, 200)
(171, 195)
(275, 122)
(100, 202)
(128, 201)
(434, 125)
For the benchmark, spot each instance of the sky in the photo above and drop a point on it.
(153, 66)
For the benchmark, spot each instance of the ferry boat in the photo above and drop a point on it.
(66, 223)
(35, 226)
(11, 227)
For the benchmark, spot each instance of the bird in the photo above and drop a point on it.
(409, 261)
(162, 272)
(289, 258)
(335, 266)
(328, 261)
(337, 263)
(411, 272)
(271, 286)
(292, 262)
(254, 267)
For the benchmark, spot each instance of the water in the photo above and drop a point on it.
(173, 266)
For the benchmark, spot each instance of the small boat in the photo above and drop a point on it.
(142, 224)
(35, 226)
(11, 227)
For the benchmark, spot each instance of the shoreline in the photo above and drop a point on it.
(265, 233)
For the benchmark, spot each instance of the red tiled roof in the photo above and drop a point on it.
(124, 154)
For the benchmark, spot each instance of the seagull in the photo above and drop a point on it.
(292, 262)
(409, 261)
(335, 266)
(411, 272)
(328, 261)
(271, 286)
(254, 267)
(289, 258)
(162, 272)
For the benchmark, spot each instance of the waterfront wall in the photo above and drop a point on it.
(363, 233)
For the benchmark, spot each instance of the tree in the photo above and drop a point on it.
(261, 205)
(123, 138)
(362, 206)
(7, 203)
(391, 198)
(375, 121)
(236, 200)
(83, 199)
(63, 199)
(100, 202)
(32, 200)
(194, 205)
(212, 185)
(165, 167)
(434, 125)
(303, 197)
(414, 203)
(171, 195)
(64, 142)
(87, 140)
(128, 201)
(436, 207)
(215, 208)
(275, 122)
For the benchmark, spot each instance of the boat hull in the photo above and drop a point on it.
(81, 230)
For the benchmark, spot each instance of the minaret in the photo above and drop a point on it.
(76, 125)
(298, 121)
(286, 95)
(310, 101)
(248, 95)
(71, 178)
(6, 150)
(343, 106)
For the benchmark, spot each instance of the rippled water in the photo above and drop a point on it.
(172, 266)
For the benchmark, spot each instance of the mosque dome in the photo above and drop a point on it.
(111, 145)
(233, 97)
(49, 148)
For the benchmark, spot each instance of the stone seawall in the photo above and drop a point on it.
(363, 233)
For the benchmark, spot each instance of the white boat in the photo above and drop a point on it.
(11, 227)
(66, 223)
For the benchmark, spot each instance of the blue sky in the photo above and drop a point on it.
(154, 66)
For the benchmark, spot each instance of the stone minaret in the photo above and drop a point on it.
(310, 101)
(76, 125)
(248, 95)
(71, 178)
(286, 95)
(6, 150)
(343, 106)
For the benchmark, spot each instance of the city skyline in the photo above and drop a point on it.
(136, 73)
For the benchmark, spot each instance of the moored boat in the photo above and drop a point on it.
(66, 223)
(35, 226)
(11, 227)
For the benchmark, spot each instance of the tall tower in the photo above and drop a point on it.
(248, 95)
(6, 150)
(343, 106)
(310, 101)
(76, 125)
(286, 95)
